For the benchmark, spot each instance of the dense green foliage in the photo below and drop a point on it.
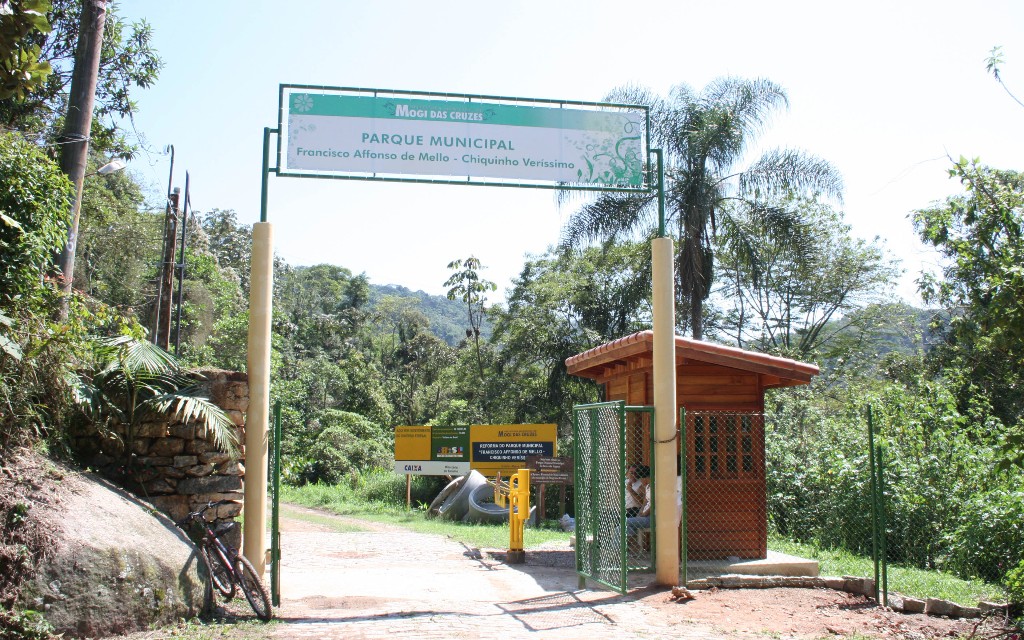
(981, 235)
(946, 508)
(34, 204)
(446, 317)
(21, 70)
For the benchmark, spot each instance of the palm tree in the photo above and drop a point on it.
(136, 380)
(704, 137)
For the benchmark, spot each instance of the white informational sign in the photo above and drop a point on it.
(331, 133)
(431, 468)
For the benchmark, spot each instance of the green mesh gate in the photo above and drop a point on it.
(601, 448)
(274, 490)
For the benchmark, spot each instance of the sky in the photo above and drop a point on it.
(885, 91)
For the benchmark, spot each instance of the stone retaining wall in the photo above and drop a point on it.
(176, 466)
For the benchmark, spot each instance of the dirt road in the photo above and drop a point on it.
(349, 578)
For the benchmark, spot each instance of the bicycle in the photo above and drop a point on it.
(228, 568)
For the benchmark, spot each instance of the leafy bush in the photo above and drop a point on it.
(989, 540)
(817, 479)
(35, 199)
(347, 444)
(946, 506)
(1014, 582)
(24, 625)
(35, 202)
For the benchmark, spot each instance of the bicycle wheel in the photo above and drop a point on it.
(253, 589)
(220, 574)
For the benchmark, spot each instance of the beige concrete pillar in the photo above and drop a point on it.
(261, 290)
(663, 308)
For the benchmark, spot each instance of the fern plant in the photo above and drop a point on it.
(135, 381)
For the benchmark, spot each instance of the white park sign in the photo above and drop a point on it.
(347, 134)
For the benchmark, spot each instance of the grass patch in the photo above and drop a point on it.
(919, 583)
(226, 625)
(342, 500)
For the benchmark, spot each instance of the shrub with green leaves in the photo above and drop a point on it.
(347, 444)
(989, 541)
(1014, 583)
(35, 200)
(35, 203)
(947, 505)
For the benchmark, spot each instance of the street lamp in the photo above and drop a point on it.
(113, 166)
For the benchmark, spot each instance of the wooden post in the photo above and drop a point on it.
(166, 285)
(540, 505)
(74, 141)
(408, 491)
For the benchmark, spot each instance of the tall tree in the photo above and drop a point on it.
(230, 242)
(561, 304)
(466, 284)
(127, 61)
(981, 235)
(705, 137)
(118, 240)
(799, 295)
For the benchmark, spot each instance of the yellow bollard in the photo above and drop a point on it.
(518, 512)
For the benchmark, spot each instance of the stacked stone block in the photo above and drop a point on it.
(176, 466)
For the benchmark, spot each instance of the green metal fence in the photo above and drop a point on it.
(880, 495)
(600, 496)
(610, 438)
(275, 508)
(913, 506)
(722, 462)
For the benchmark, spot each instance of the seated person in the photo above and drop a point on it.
(634, 492)
(642, 520)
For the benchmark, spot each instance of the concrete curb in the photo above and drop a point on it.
(850, 584)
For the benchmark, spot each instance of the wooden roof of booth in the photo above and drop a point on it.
(634, 352)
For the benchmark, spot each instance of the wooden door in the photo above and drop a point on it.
(726, 501)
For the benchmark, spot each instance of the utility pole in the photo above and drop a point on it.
(163, 327)
(155, 333)
(77, 125)
(180, 266)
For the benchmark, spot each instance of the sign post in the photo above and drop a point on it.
(405, 136)
(544, 471)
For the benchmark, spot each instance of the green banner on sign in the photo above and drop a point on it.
(450, 444)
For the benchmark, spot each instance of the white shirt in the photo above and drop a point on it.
(679, 499)
(631, 501)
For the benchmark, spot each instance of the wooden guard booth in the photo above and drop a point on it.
(722, 389)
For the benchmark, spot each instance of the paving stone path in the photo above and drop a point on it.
(385, 582)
